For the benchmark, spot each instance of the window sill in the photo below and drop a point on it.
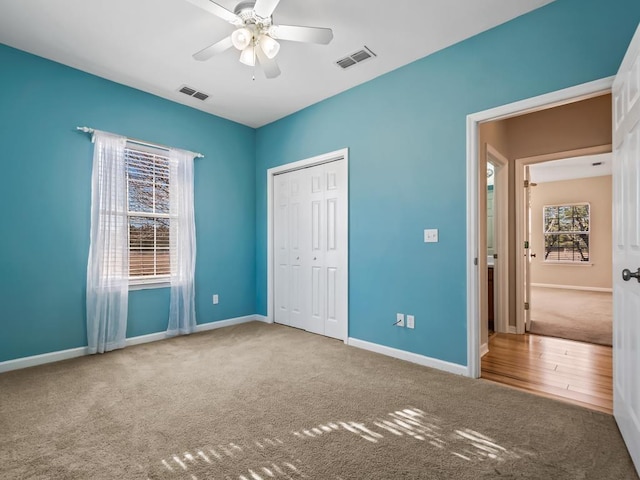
(571, 264)
(147, 284)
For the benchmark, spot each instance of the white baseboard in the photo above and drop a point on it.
(34, 360)
(409, 357)
(484, 349)
(51, 357)
(512, 329)
(152, 337)
(225, 323)
(263, 318)
(573, 287)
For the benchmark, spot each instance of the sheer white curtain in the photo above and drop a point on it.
(108, 266)
(182, 313)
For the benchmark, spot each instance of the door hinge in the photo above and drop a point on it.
(475, 261)
(526, 183)
(526, 305)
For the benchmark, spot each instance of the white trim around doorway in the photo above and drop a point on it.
(337, 155)
(501, 239)
(549, 100)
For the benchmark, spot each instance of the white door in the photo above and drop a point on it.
(626, 248)
(281, 188)
(527, 249)
(310, 243)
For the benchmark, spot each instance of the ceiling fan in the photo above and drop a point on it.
(256, 36)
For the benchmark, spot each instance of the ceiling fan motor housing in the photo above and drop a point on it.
(245, 10)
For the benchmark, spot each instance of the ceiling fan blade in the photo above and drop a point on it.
(301, 34)
(270, 66)
(217, 10)
(211, 50)
(265, 8)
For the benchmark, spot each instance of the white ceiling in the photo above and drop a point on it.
(147, 44)
(571, 168)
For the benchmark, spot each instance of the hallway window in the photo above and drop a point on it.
(566, 233)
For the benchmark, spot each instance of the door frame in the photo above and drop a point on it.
(541, 102)
(337, 155)
(520, 163)
(501, 239)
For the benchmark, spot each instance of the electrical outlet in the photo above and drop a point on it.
(411, 321)
(216, 300)
(399, 319)
(431, 235)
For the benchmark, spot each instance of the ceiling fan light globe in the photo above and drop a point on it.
(248, 56)
(269, 46)
(241, 38)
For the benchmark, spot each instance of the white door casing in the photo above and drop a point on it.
(308, 252)
(528, 253)
(626, 248)
(501, 231)
(523, 244)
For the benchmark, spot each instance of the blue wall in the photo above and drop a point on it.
(406, 134)
(45, 198)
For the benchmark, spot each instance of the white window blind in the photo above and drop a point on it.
(148, 213)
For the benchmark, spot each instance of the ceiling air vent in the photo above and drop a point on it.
(200, 96)
(193, 93)
(359, 56)
(346, 62)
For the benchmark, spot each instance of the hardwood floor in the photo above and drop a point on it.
(574, 372)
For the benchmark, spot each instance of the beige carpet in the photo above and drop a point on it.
(262, 402)
(572, 314)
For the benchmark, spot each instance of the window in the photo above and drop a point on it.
(148, 213)
(566, 233)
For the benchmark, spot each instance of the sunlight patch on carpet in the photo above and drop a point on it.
(240, 462)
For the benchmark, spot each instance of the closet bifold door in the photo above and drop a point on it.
(310, 241)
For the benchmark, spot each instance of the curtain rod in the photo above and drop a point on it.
(139, 142)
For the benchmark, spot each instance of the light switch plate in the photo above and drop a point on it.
(431, 235)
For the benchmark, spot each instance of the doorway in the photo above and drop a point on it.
(528, 351)
(477, 263)
(569, 285)
(308, 244)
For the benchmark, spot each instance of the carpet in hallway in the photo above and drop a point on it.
(572, 314)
